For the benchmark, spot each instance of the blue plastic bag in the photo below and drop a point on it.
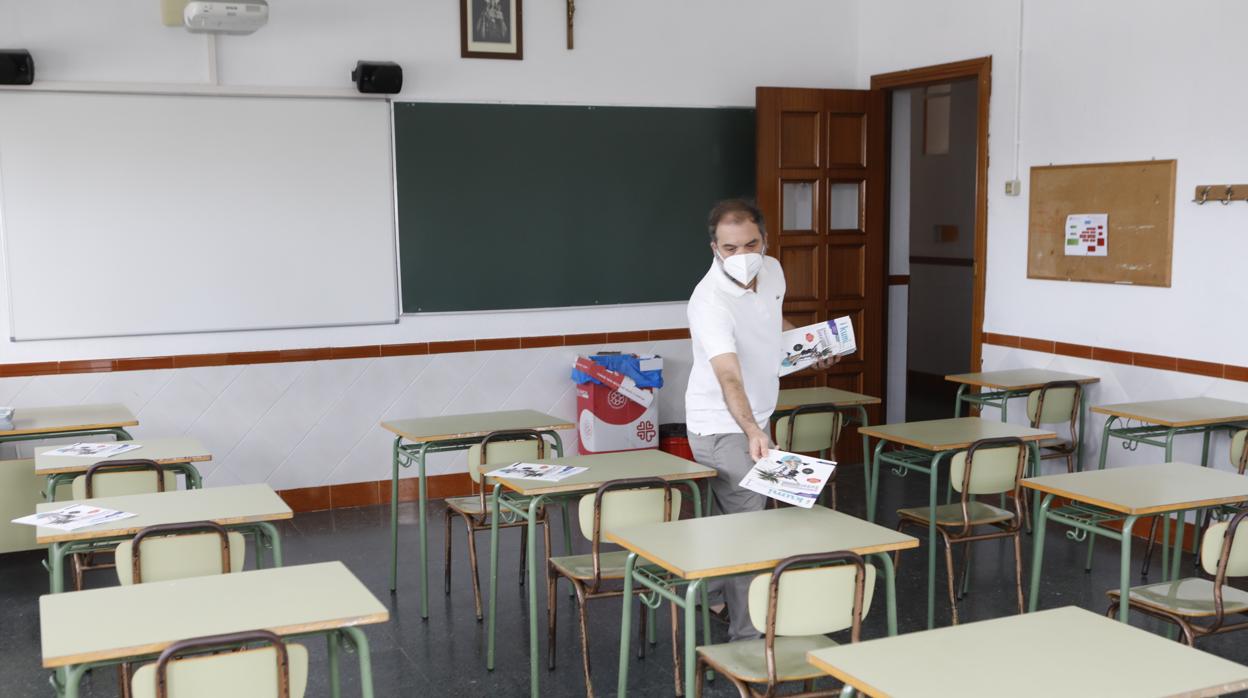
(628, 364)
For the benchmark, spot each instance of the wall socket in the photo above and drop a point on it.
(1013, 187)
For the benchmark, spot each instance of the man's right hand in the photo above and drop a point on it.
(760, 444)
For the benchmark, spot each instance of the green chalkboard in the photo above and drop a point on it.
(523, 206)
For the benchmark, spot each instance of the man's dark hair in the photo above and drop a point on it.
(734, 211)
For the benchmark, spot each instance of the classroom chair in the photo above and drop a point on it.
(810, 429)
(1056, 403)
(176, 551)
(497, 449)
(800, 604)
(1239, 461)
(616, 504)
(1189, 602)
(988, 467)
(278, 670)
(115, 479)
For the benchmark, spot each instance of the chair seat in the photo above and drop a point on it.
(951, 514)
(1059, 446)
(472, 505)
(746, 660)
(582, 566)
(1191, 597)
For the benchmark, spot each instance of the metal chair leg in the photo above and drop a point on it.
(1148, 547)
(966, 572)
(524, 551)
(447, 519)
(1018, 568)
(677, 674)
(643, 624)
(552, 606)
(953, 601)
(583, 621)
(472, 561)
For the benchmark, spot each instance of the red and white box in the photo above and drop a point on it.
(610, 420)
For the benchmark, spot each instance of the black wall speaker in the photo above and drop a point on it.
(384, 77)
(16, 67)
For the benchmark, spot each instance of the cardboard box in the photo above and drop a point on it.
(617, 416)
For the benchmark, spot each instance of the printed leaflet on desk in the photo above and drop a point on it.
(73, 517)
(789, 477)
(536, 471)
(97, 450)
(804, 346)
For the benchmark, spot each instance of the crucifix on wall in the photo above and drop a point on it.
(571, 12)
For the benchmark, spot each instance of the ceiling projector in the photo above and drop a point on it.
(225, 17)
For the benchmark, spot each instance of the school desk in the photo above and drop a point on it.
(84, 630)
(924, 445)
(1126, 494)
(179, 454)
(525, 498)
(1035, 655)
(1005, 385)
(415, 439)
(843, 400)
(246, 508)
(1162, 420)
(693, 551)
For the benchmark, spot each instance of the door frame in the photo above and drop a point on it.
(981, 70)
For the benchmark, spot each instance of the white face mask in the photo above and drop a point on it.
(742, 267)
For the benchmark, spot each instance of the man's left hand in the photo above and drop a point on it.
(826, 362)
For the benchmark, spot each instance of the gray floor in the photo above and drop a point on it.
(444, 656)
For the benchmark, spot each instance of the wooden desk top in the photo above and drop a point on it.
(1147, 489)
(1019, 378)
(180, 449)
(143, 619)
(1180, 412)
(792, 398)
(714, 546)
(239, 504)
(43, 420)
(951, 434)
(604, 467)
(1030, 656)
(464, 426)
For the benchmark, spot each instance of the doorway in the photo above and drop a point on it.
(937, 205)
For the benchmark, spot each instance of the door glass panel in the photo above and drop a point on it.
(799, 206)
(843, 205)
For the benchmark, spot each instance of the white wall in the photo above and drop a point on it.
(649, 52)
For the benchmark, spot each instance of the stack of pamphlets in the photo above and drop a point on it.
(804, 346)
(789, 477)
(73, 517)
(536, 471)
(94, 450)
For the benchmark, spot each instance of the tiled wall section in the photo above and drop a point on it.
(314, 423)
(1123, 383)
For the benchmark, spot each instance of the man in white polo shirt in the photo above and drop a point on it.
(735, 322)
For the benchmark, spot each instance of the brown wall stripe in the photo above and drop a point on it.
(48, 368)
(1119, 356)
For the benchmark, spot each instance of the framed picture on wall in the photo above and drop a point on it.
(491, 29)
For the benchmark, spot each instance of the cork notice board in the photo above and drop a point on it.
(1139, 198)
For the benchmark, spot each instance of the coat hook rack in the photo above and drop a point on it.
(1221, 193)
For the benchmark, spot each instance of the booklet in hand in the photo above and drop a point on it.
(73, 517)
(804, 346)
(536, 471)
(789, 477)
(96, 450)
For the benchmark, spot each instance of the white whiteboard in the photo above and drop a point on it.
(131, 214)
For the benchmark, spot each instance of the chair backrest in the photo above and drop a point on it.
(989, 466)
(1220, 556)
(178, 551)
(1239, 454)
(812, 601)
(809, 428)
(621, 503)
(1054, 403)
(121, 477)
(500, 448)
(279, 670)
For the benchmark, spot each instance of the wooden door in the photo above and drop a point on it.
(821, 188)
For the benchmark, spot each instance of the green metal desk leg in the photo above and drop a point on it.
(274, 539)
(394, 515)
(73, 677)
(1178, 543)
(626, 621)
(890, 591)
(691, 635)
(866, 457)
(874, 488)
(360, 640)
(1109, 423)
(56, 568)
(1005, 405)
(957, 400)
(535, 505)
(493, 598)
(1083, 410)
(931, 541)
(1037, 547)
(424, 533)
(1165, 547)
(1124, 569)
(333, 643)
